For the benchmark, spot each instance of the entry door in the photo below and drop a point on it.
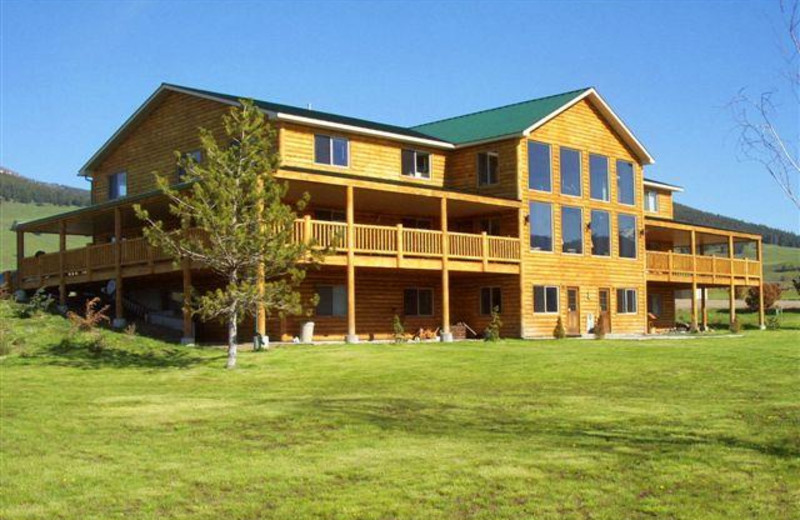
(605, 303)
(573, 313)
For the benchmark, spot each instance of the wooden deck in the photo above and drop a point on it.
(707, 270)
(373, 246)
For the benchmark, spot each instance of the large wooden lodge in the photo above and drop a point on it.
(539, 208)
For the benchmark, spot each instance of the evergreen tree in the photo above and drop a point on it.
(246, 229)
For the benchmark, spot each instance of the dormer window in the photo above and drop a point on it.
(416, 164)
(117, 185)
(651, 201)
(487, 168)
(334, 151)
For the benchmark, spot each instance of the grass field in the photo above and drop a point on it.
(11, 212)
(700, 428)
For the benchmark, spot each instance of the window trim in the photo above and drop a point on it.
(491, 289)
(635, 238)
(558, 299)
(561, 173)
(610, 233)
(530, 228)
(332, 286)
(490, 182)
(111, 183)
(550, 164)
(418, 289)
(627, 290)
(580, 230)
(417, 174)
(655, 200)
(608, 178)
(331, 137)
(633, 182)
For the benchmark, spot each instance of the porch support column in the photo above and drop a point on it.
(447, 336)
(761, 322)
(694, 282)
(20, 248)
(188, 325)
(261, 312)
(352, 337)
(732, 288)
(522, 287)
(62, 246)
(704, 309)
(119, 317)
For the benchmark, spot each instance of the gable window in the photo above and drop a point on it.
(651, 201)
(626, 234)
(538, 166)
(626, 301)
(196, 156)
(545, 299)
(491, 300)
(572, 230)
(418, 302)
(487, 168)
(417, 223)
(332, 300)
(416, 164)
(117, 185)
(334, 151)
(490, 226)
(570, 165)
(598, 177)
(330, 215)
(625, 191)
(601, 233)
(541, 224)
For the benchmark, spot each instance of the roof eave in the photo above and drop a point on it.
(662, 185)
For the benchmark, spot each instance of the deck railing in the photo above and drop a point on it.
(682, 267)
(369, 240)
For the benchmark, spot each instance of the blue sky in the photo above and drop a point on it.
(72, 72)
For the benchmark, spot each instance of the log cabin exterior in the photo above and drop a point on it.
(539, 208)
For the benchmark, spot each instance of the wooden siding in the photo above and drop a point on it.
(462, 170)
(582, 128)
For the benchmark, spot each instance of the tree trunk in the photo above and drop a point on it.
(232, 330)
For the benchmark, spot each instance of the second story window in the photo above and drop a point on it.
(598, 177)
(334, 151)
(541, 223)
(330, 215)
(651, 201)
(626, 235)
(570, 162)
(490, 226)
(538, 166)
(417, 223)
(196, 156)
(625, 190)
(571, 230)
(487, 168)
(416, 164)
(118, 185)
(601, 233)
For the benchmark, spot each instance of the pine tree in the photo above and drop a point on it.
(246, 229)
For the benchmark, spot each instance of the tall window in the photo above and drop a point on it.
(545, 299)
(487, 168)
(598, 177)
(541, 224)
(626, 301)
(625, 191)
(332, 300)
(491, 299)
(626, 234)
(538, 166)
(601, 233)
(571, 230)
(651, 201)
(654, 304)
(117, 185)
(331, 150)
(416, 164)
(418, 302)
(570, 165)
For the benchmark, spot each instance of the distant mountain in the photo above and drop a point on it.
(14, 186)
(703, 218)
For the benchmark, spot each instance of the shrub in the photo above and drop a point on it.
(492, 331)
(772, 293)
(773, 322)
(398, 330)
(736, 326)
(559, 332)
(740, 292)
(92, 318)
(599, 329)
(39, 302)
(130, 330)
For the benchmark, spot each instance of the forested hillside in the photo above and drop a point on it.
(770, 235)
(21, 189)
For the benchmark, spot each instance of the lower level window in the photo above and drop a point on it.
(545, 299)
(654, 304)
(332, 300)
(418, 302)
(626, 301)
(491, 299)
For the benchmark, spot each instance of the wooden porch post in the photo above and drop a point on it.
(704, 309)
(188, 329)
(62, 246)
(694, 282)
(522, 243)
(20, 248)
(352, 337)
(261, 312)
(119, 317)
(447, 336)
(732, 288)
(761, 322)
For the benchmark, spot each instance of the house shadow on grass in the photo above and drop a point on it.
(91, 353)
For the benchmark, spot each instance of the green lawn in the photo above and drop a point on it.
(11, 212)
(701, 428)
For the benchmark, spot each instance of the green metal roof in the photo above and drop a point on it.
(497, 122)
